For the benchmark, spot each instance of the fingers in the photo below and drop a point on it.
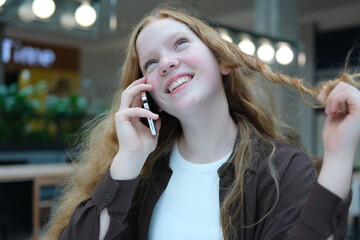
(323, 94)
(131, 104)
(128, 114)
(344, 98)
(158, 124)
(131, 95)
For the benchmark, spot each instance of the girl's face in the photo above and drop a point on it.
(182, 69)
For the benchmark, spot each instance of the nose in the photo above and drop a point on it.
(167, 65)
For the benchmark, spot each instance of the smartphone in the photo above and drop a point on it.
(147, 104)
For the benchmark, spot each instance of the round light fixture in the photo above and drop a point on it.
(302, 59)
(265, 52)
(43, 8)
(67, 20)
(113, 23)
(25, 12)
(2, 2)
(85, 15)
(247, 46)
(284, 55)
(225, 35)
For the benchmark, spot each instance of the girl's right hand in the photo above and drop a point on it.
(135, 139)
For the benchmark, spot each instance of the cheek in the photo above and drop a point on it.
(152, 79)
(194, 58)
(203, 58)
(155, 83)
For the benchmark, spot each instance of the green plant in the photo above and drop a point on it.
(31, 114)
(16, 107)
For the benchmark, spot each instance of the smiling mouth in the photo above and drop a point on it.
(174, 85)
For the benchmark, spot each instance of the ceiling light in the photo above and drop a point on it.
(43, 8)
(113, 23)
(224, 35)
(85, 15)
(302, 59)
(265, 52)
(67, 20)
(2, 2)
(25, 12)
(247, 46)
(284, 55)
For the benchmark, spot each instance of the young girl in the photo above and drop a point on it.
(220, 167)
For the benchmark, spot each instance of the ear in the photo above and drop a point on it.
(225, 71)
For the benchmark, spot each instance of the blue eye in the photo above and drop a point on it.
(148, 63)
(180, 41)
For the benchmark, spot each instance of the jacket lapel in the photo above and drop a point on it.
(161, 177)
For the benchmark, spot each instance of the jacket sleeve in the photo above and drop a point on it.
(305, 209)
(322, 215)
(114, 195)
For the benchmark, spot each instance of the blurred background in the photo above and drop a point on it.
(61, 61)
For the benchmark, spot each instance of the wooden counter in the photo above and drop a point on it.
(42, 175)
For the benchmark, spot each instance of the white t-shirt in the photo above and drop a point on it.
(189, 207)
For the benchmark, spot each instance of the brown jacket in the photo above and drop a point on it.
(304, 210)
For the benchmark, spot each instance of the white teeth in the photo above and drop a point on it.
(178, 82)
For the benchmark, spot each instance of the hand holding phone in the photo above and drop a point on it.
(146, 105)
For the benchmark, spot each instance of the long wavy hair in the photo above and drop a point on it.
(242, 87)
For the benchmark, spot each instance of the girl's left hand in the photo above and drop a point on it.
(341, 131)
(341, 134)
